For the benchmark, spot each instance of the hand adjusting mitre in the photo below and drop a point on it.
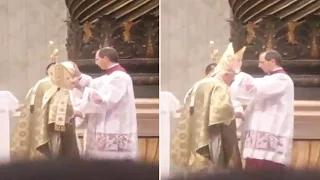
(62, 74)
(237, 59)
(230, 61)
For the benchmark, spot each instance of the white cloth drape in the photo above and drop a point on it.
(8, 102)
(169, 104)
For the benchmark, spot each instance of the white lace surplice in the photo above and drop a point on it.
(269, 119)
(112, 123)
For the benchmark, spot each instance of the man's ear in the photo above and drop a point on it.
(225, 74)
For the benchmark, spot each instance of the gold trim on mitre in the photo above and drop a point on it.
(62, 74)
(223, 64)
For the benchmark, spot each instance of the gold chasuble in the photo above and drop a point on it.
(39, 133)
(205, 137)
(190, 147)
(46, 128)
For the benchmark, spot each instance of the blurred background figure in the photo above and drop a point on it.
(210, 67)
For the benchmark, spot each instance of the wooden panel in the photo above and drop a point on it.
(306, 126)
(148, 117)
(151, 103)
(148, 127)
(306, 154)
(149, 149)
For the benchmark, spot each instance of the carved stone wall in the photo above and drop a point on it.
(132, 28)
(132, 40)
(294, 40)
(290, 27)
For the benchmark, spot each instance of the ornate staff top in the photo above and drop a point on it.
(54, 53)
(214, 52)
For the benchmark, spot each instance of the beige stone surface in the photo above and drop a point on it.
(26, 29)
(187, 26)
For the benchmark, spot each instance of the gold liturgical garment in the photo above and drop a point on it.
(44, 129)
(192, 148)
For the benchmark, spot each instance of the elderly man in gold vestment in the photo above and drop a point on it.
(45, 129)
(205, 138)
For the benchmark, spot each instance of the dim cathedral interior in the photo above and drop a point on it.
(288, 26)
(77, 29)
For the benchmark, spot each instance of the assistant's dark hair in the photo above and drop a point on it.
(49, 65)
(79, 170)
(110, 53)
(275, 55)
(210, 68)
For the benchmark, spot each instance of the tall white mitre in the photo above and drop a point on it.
(228, 61)
(224, 62)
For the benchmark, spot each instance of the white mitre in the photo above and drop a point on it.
(226, 63)
(62, 74)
